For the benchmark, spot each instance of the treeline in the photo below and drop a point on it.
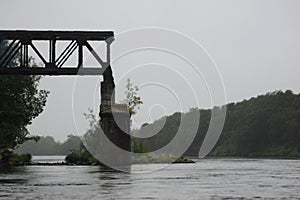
(267, 125)
(48, 146)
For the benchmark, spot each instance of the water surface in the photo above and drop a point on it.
(207, 179)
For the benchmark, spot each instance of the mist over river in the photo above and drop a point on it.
(206, 179)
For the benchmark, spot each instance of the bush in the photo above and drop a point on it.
(158, 158)
(80, 158)
(22, 159)
(138, 147)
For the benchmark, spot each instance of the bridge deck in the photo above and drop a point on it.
(21, 40)
(58, 35)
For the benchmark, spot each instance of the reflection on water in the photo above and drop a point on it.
(48, 159)
(208, 178)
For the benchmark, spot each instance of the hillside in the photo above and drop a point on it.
(48, 146)
(267, 125)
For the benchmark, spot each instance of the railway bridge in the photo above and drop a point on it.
(19, 42)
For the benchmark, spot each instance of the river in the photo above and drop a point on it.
(206, 179)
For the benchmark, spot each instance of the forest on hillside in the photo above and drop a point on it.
(48, 146)
(267, 125)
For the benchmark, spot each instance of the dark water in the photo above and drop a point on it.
(207, 179)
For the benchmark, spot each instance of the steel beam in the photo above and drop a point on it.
(22, 40)
(57, 35)
(51, 71)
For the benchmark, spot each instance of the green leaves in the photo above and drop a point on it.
(132, 100)
(20, 102)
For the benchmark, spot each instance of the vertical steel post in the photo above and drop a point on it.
(80, 54)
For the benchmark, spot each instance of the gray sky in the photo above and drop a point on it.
(255, 44)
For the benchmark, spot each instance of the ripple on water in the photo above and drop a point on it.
(209, 179)
(57, 184)
(12, 181)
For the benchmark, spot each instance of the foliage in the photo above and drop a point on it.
(73, 143)
(80, 158)
(150, 158)
(92, 137)
(268, 125)
(48, 146)
(264, 126)
(132, 100)
(22, 159)
(182, 159)
(138, 147)
(21, 102)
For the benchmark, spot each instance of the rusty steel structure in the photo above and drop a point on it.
(20, 41)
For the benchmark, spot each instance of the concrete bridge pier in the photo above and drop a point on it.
(115, 123)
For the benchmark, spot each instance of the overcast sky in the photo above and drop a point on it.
(254, 43)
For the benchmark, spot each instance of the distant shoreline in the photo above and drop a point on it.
(251, 157)
(63, 163)
(216, 157)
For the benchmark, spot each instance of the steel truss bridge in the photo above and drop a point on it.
(20, 41)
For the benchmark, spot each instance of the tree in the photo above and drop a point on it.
(132, 100)
(267, 125)
(73, 143)
(20, 103)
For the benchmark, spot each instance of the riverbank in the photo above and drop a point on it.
(79, 161)
(186, 160)
(144, 159)
(255, 157)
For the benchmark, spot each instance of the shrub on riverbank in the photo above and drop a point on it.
(81, 158)
(151, 158)
(85, 158)
(20, 159)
